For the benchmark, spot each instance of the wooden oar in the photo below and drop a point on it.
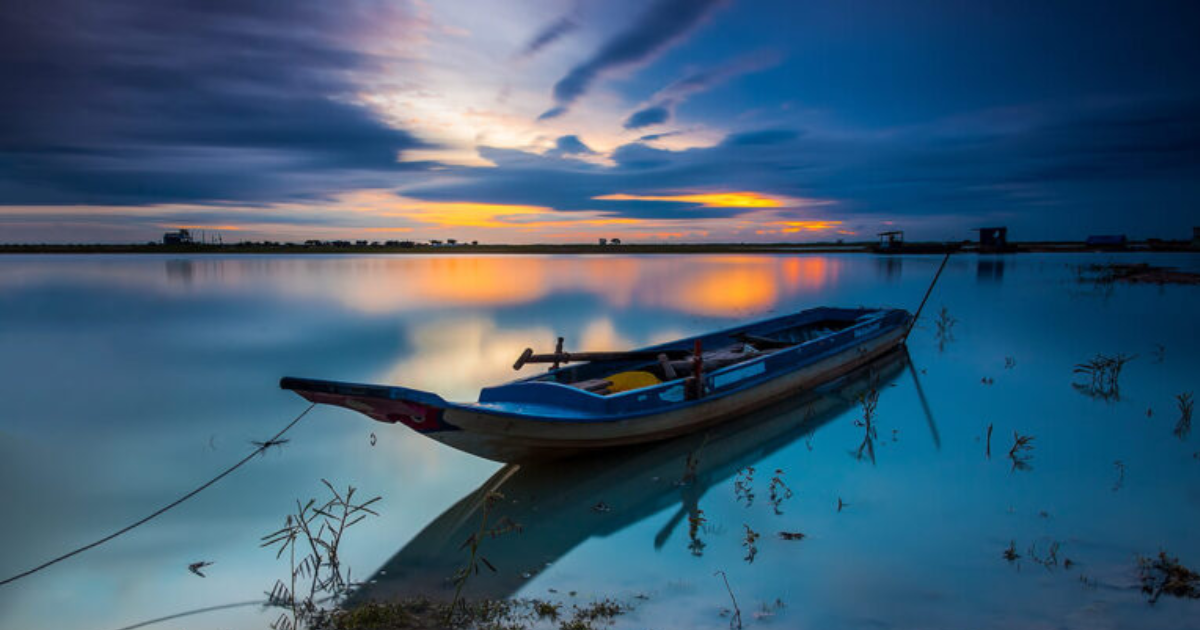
(579, 357)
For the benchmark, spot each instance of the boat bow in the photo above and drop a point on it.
(420, 411)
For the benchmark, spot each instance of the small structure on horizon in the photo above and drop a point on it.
(891, 240)
(1107, 241)
(603, 242)
(1196, 238)
(615, 241)
(993, 239)
(180, 237)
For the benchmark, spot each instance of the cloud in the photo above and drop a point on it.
(246, 102)
(760, 138)
(664, 102)
(1046, 171)
(664, 23)
(571, 145)
(651, 137)
(549, 34)
(653, 115)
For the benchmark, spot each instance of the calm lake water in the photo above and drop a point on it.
(127, 380)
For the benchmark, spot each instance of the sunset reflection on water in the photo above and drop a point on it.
(140, 375)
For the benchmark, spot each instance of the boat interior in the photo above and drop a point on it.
(676, 361)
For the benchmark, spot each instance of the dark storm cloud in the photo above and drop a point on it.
(132, 101)
(665, 22)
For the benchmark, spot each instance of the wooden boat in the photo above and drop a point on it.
(562, 504)
(623, 398)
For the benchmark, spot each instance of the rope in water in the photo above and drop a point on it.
(262, 447)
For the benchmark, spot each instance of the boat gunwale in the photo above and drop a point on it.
(585, 417)
(578, 415)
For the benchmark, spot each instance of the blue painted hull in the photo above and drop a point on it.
(544, 416)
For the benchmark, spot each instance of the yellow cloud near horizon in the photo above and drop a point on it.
(742, 199)
(497, 215)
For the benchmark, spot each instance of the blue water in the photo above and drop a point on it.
(127, 380)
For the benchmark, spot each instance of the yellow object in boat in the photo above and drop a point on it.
(625, 381)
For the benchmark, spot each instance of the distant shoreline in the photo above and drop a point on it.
(656, 248)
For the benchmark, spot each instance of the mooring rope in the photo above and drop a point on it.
(917, 315)
(261, 447)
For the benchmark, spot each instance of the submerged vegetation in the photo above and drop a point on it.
(318, 575)
(1165, 575)
(1136, 273)
(743, 486)
(869, 401)
(778, 492)
(945, 328)
(1020, 453)
(1184, 425)
(735, 618)
(750, 542)
(1103, 375)
(487, 529)
(488, 614)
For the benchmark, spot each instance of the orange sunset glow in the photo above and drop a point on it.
(708, 200)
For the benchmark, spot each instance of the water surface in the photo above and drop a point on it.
(127, 380)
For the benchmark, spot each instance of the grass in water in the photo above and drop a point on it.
(312, 538)
(1165, 575)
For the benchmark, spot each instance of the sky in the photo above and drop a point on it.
(531, 121)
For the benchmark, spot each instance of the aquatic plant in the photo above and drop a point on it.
(196, 566)
(502, 526)
(695, 521)
(585, 618)
(1020, 451)
(1184, 426)
(767, 611)
(1109, 274)
(868, 400)
(778, 492)
(316, 531)
(792, 536)
(1165, 574)
(750, 542)
(945, 328)
(743, 485)
(1009, 363)
(735, 621)
(988, 452)
(1010, 553)
(1120, 466)
(1103, 373)
(1050, 560)
(419, 613)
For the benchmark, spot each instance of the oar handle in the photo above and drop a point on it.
(523, 359)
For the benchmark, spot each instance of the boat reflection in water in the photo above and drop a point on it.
(562, 504)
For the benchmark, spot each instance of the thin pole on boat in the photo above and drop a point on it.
(917, 315)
